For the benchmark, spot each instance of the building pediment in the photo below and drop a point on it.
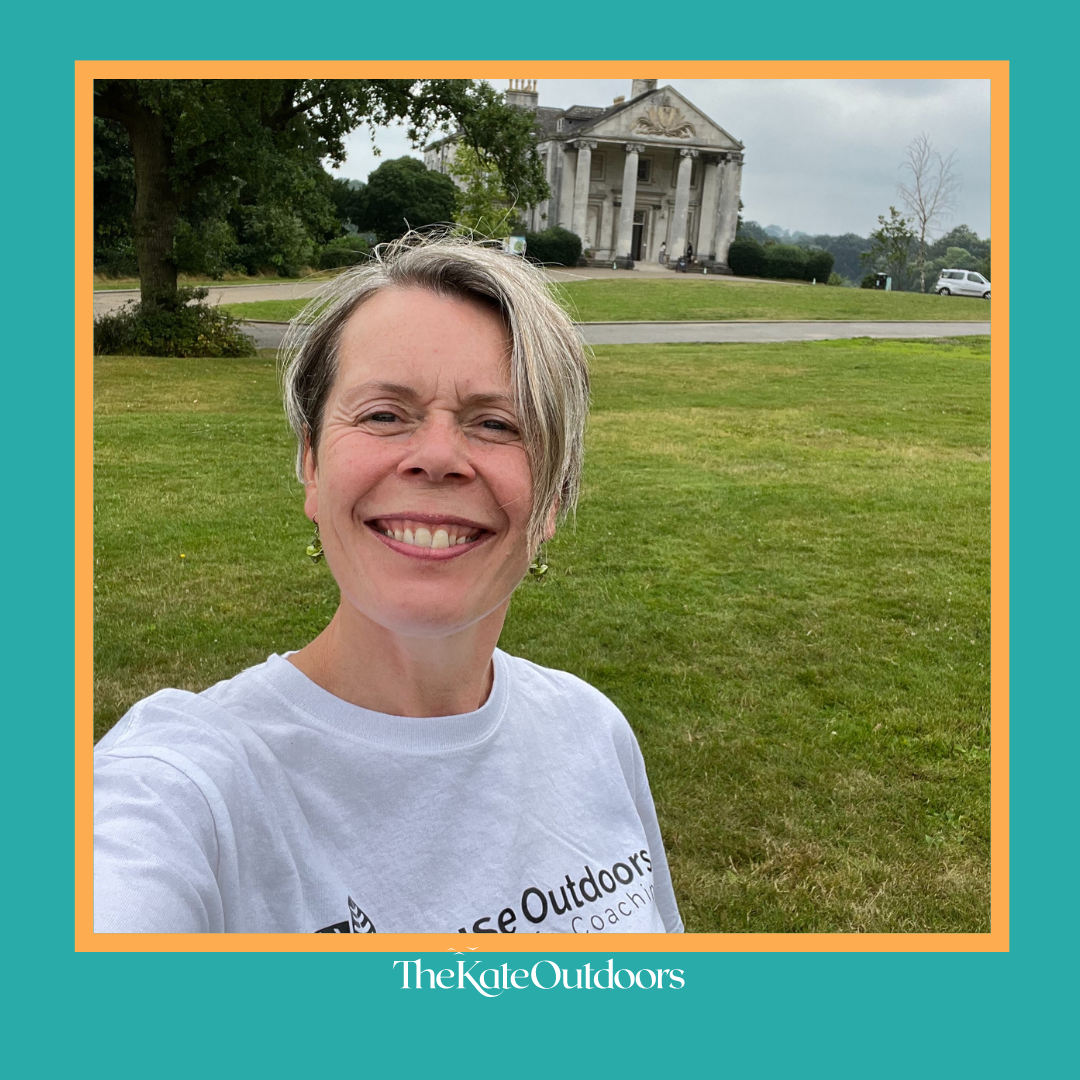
(661, 116)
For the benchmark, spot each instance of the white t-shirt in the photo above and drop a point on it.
(266, 804)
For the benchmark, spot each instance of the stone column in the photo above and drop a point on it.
(565, 207)
(705, 244)
(729, 207)
(607, 240)
(625, 239)
(677, 248)
(585, 147)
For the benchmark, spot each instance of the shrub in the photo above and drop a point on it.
(819, 265)
(835, 279)
(188, 329)
(343, 251)
(868, 281)
(555, 245)
(210, 248)
(786, 261)
(119, 260)
(747, 258)
(273, 238)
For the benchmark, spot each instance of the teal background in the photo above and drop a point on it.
(308, 1015)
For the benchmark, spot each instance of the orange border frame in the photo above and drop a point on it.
(997, 940)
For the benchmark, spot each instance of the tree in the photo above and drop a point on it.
(403, 194)
(891, 246)
(930, 193)
(347, 197)
(114, 195)
(483, 205)
(846, 251)
(200, 144)
(961, 237)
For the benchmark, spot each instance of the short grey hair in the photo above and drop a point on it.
(549, 373)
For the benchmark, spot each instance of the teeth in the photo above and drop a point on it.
(418, 535)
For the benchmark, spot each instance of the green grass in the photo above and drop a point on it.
(267, 310)
(779, 571)
(706, 300)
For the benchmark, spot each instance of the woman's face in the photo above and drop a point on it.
(420, 483)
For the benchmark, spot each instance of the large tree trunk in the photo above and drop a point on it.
(157, 206)
(156, 212)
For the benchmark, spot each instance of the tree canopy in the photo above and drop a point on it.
(403, 194)
(892, 245)
(483, 203)
(205, 150)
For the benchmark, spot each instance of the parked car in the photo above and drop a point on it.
(962, 283)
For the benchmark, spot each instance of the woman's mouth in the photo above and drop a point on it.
(451, 537)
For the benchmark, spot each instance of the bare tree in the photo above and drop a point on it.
(929, 193)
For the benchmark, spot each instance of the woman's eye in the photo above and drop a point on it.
(382, 417)
(496, 425)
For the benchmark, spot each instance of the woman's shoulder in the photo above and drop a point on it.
(176, 717)
(541, 683)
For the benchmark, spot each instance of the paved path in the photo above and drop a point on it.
(641, 333)
(111, 299)
(268, 335)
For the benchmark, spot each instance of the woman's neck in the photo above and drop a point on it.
(365, 664)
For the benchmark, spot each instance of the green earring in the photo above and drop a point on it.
(539, 568)
(314, 549)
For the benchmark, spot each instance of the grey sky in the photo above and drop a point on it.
(822, 155)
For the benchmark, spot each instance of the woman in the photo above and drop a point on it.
(400, 773)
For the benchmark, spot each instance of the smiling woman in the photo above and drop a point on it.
(400, 772)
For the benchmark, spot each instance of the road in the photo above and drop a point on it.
(268, 335)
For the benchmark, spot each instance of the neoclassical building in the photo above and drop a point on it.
(646, 170)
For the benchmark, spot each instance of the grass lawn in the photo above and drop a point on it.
(712, 299)
(779, 571)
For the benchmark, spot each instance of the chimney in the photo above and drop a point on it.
(641, 86)
(523, 94)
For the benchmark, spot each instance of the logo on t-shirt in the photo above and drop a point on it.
(356, 923)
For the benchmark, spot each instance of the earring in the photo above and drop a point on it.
(314, 549)
(538, 568)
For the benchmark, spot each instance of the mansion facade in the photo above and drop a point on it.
(647, 176)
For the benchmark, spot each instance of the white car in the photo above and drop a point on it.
(962, 283)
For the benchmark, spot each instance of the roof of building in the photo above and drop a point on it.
(577, 118)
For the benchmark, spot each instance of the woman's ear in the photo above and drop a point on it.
(311, 483)
(549, 524)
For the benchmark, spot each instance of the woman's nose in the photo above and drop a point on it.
(438, 451)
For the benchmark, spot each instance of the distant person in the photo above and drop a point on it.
(689, 253)
(663, 251)
(400, 773)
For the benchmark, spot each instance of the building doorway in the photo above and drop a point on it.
(637, 243)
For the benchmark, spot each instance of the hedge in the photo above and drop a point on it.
(748, 258)
(555, 245)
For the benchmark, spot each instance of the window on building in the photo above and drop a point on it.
(597, 172)
(644, 170)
